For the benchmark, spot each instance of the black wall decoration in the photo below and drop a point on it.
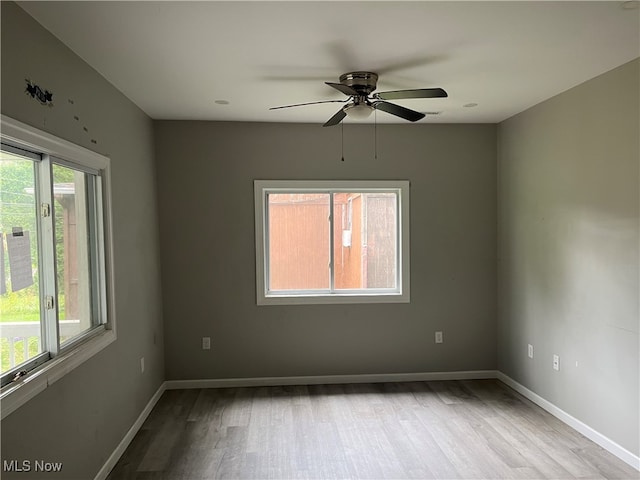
(45, 97)
(77, 119)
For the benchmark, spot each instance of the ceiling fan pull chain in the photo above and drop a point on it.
(342, 134)
(375, 134)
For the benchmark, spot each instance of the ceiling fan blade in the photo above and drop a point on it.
(419, 93)
(308, 103)
(336, 119)
(346, 89)
(398, 111)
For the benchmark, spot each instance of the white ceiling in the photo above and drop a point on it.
(175, 59)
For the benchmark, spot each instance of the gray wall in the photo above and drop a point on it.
(568, 251)
(205, 185)
(80, 419)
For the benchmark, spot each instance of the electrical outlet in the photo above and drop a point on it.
(142, 365)
(439, 338)
(206, 343)
(556, 362)
(530, 350)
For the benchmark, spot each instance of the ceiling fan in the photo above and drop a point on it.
(359, 87)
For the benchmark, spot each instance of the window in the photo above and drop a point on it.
(55, 301)
(332, 241)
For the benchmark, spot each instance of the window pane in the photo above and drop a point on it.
(20, 321)
(298, 229)
(365, 240)
(72, 252)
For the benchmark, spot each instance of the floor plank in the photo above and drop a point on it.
(471, 429)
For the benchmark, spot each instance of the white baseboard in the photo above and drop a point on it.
(605, 442)
(122, 446)
(328, 379)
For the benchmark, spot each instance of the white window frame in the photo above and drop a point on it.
(17, 393)
(400, 294)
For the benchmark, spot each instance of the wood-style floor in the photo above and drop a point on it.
(478, 429)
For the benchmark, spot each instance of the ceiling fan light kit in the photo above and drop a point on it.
(358, 111)
(359, 87)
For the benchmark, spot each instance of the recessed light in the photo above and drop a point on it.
(222, 102)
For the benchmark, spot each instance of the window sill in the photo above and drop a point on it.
(16, 394)
(332, 299)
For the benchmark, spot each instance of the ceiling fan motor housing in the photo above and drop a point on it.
(362, 82)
